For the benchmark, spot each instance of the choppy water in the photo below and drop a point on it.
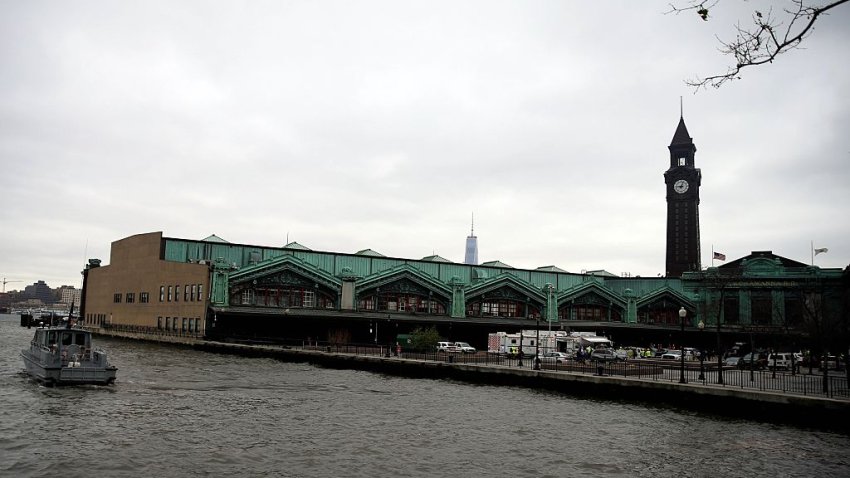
(176, 412)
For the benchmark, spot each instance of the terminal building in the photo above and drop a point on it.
(212, 288)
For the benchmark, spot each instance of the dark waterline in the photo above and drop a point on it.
(180, 412)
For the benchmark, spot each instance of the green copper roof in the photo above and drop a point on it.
(550, 269)
(435, 258)
(369, 252)
(214, 238)
(295, 245)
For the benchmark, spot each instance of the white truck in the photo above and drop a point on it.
(525, 342)
(504, 343)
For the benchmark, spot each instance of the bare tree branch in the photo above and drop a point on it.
(761, 43)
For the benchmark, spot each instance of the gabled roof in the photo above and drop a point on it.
(550, 269)
(214, 238)
(496, 264)
(285, 262)
(369, 252)
(590, 287)
(737, 263)
(665, 291)
(295, 245)
(435, 258)
(501, 280)
(409, 272)
(600, 273)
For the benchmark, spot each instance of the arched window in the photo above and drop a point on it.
(487, 307)
(407, 302)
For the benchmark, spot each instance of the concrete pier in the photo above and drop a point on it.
(732, 402)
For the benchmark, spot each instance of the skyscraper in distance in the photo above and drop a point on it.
(471, 246)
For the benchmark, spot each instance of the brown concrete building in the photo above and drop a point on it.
(142, 289)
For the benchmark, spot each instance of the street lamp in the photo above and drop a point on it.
(682, 314)
(719, 353)
(519, 350)
(701, 326)
(537, 345)
(773, 371)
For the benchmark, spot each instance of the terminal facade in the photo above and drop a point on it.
(212, 288)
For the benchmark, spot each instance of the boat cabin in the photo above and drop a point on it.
(74, 339)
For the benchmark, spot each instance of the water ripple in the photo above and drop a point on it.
(180, 412)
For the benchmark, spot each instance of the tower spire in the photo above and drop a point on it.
(472, 231)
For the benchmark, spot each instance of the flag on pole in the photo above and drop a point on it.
(719, 256)
(822, 249)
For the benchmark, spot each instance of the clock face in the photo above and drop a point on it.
(680, 186)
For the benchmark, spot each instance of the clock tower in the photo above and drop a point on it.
(683, 181)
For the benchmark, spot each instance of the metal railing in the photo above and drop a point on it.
(148, 330)
(806, 384)
(639, 369)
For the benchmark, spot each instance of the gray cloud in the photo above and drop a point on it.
(384, 125)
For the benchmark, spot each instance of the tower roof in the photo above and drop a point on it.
(681, 136)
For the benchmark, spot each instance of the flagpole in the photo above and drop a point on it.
(813, 252)
(712, 255)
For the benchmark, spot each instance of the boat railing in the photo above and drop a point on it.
(45, 355)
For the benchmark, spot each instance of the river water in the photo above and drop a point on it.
(176, 412)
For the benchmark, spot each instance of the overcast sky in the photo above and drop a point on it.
(386, 124)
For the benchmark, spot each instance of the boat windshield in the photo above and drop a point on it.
(71, 337)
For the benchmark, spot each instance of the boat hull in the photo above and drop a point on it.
(43, 368)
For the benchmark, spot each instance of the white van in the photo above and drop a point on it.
(783, 361)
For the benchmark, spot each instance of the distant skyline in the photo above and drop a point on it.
(383, 125)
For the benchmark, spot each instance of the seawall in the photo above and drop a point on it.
(731, 402)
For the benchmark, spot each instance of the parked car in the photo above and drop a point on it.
(447, 347)
(731, 361)
(554, 357)
(832, 363)
(465, 347)
(672, 355)
(604, 355)
(756, 361)
(622, 354)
